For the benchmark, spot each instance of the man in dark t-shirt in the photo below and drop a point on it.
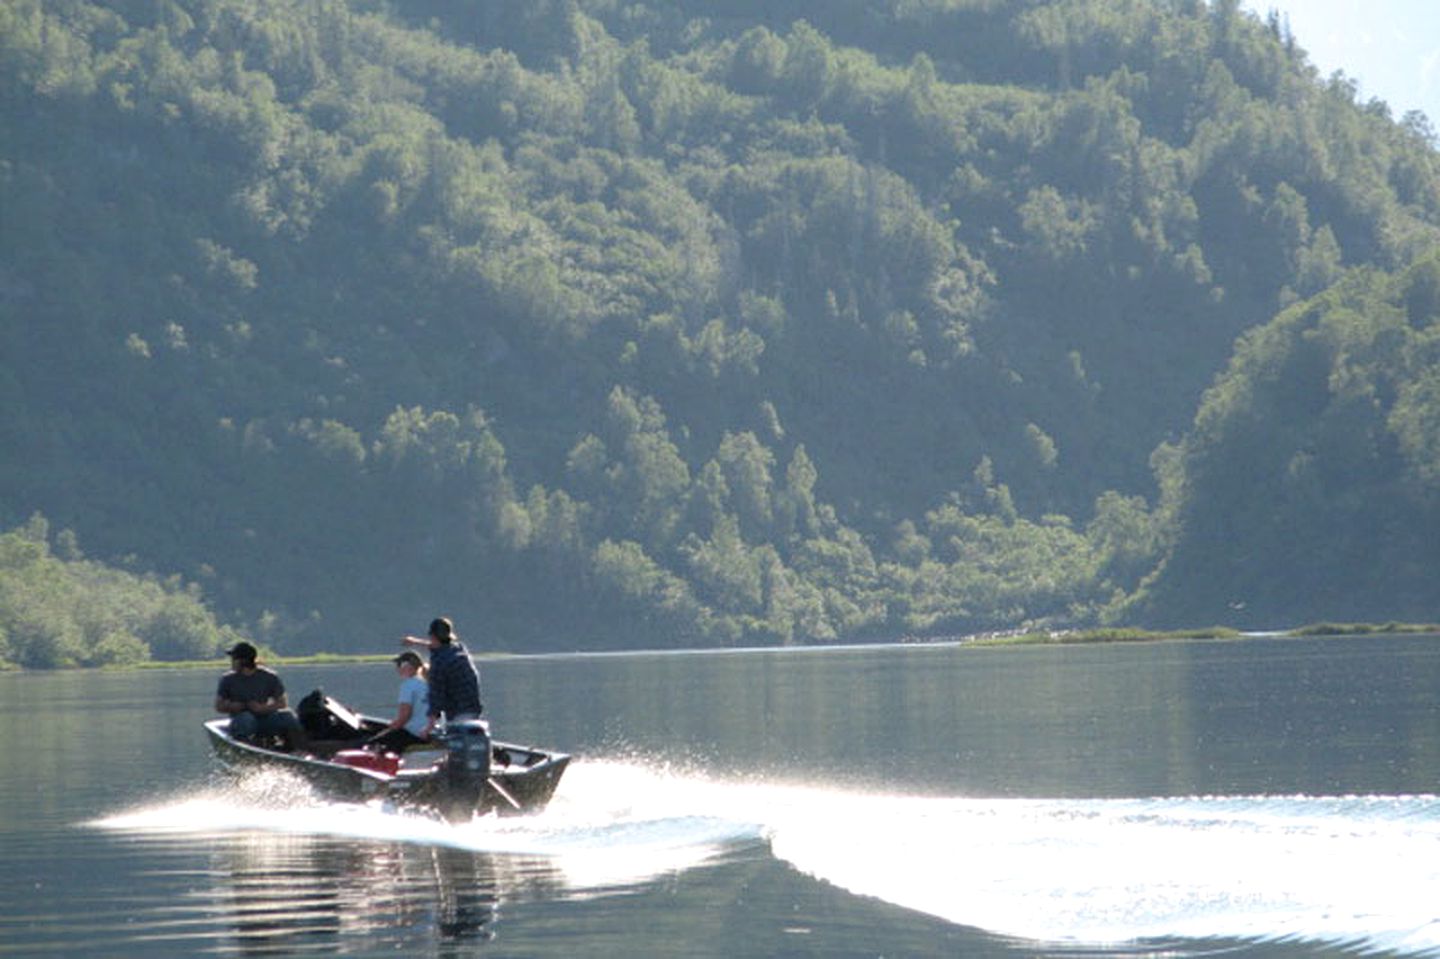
(254, 698)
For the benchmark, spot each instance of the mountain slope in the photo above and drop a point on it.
(603, 323)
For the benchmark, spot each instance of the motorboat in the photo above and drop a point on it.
(462, 774)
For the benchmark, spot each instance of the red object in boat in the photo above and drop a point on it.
(386, 762)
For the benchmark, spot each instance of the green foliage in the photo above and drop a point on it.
(57, 612)
(1361, 629)
(1314, 453)
(606, 323)
(1125, 635)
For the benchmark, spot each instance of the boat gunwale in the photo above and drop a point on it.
(535, 779)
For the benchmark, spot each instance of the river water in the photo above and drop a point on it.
(1266, 797)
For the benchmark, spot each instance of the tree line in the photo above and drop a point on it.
(599, 323)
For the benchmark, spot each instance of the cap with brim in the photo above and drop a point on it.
(241, 651)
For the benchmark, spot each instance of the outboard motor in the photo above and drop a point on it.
(467, 765)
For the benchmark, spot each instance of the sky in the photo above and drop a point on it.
(1390, 47)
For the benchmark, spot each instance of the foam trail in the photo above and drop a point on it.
(1352, 871)
(1338, 870)
(610, 825)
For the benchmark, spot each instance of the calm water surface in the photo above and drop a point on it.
(1266, 797)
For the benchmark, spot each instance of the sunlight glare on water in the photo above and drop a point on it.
(630, 828)
(1362, 871)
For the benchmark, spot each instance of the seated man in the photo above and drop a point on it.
(254, 698)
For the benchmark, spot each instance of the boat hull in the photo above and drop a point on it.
(520, 779)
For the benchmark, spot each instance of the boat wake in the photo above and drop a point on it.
(611, 825)
(1359, 872)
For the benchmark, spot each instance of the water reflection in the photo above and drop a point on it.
(282, 872)
(286, 895)
(1166, 799)
(1111, 873)
(276, 893)
(465, 904)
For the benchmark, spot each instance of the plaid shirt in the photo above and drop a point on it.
(454, 681)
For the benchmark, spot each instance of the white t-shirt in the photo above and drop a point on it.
(416, 692)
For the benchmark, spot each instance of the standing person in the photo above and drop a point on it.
(254, 699)
(454, 681)
(412, 719)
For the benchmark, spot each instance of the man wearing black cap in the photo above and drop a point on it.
(254, 699)
(454, 680)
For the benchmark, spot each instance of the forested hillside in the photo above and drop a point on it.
(600, 323)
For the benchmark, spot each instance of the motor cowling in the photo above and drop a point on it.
(467, 743)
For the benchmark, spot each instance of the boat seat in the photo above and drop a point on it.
(343, 715)
(326, 718)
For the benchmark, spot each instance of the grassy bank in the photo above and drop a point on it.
(1129, 635)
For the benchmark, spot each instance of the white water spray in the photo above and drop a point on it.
(1361, 871)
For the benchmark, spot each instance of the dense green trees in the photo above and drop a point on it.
(1315, 454)
(59, 609)
(605, 323)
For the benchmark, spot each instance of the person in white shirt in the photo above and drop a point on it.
(411, 723)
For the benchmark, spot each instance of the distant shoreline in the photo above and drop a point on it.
(1131, 635)
(1034, 637)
